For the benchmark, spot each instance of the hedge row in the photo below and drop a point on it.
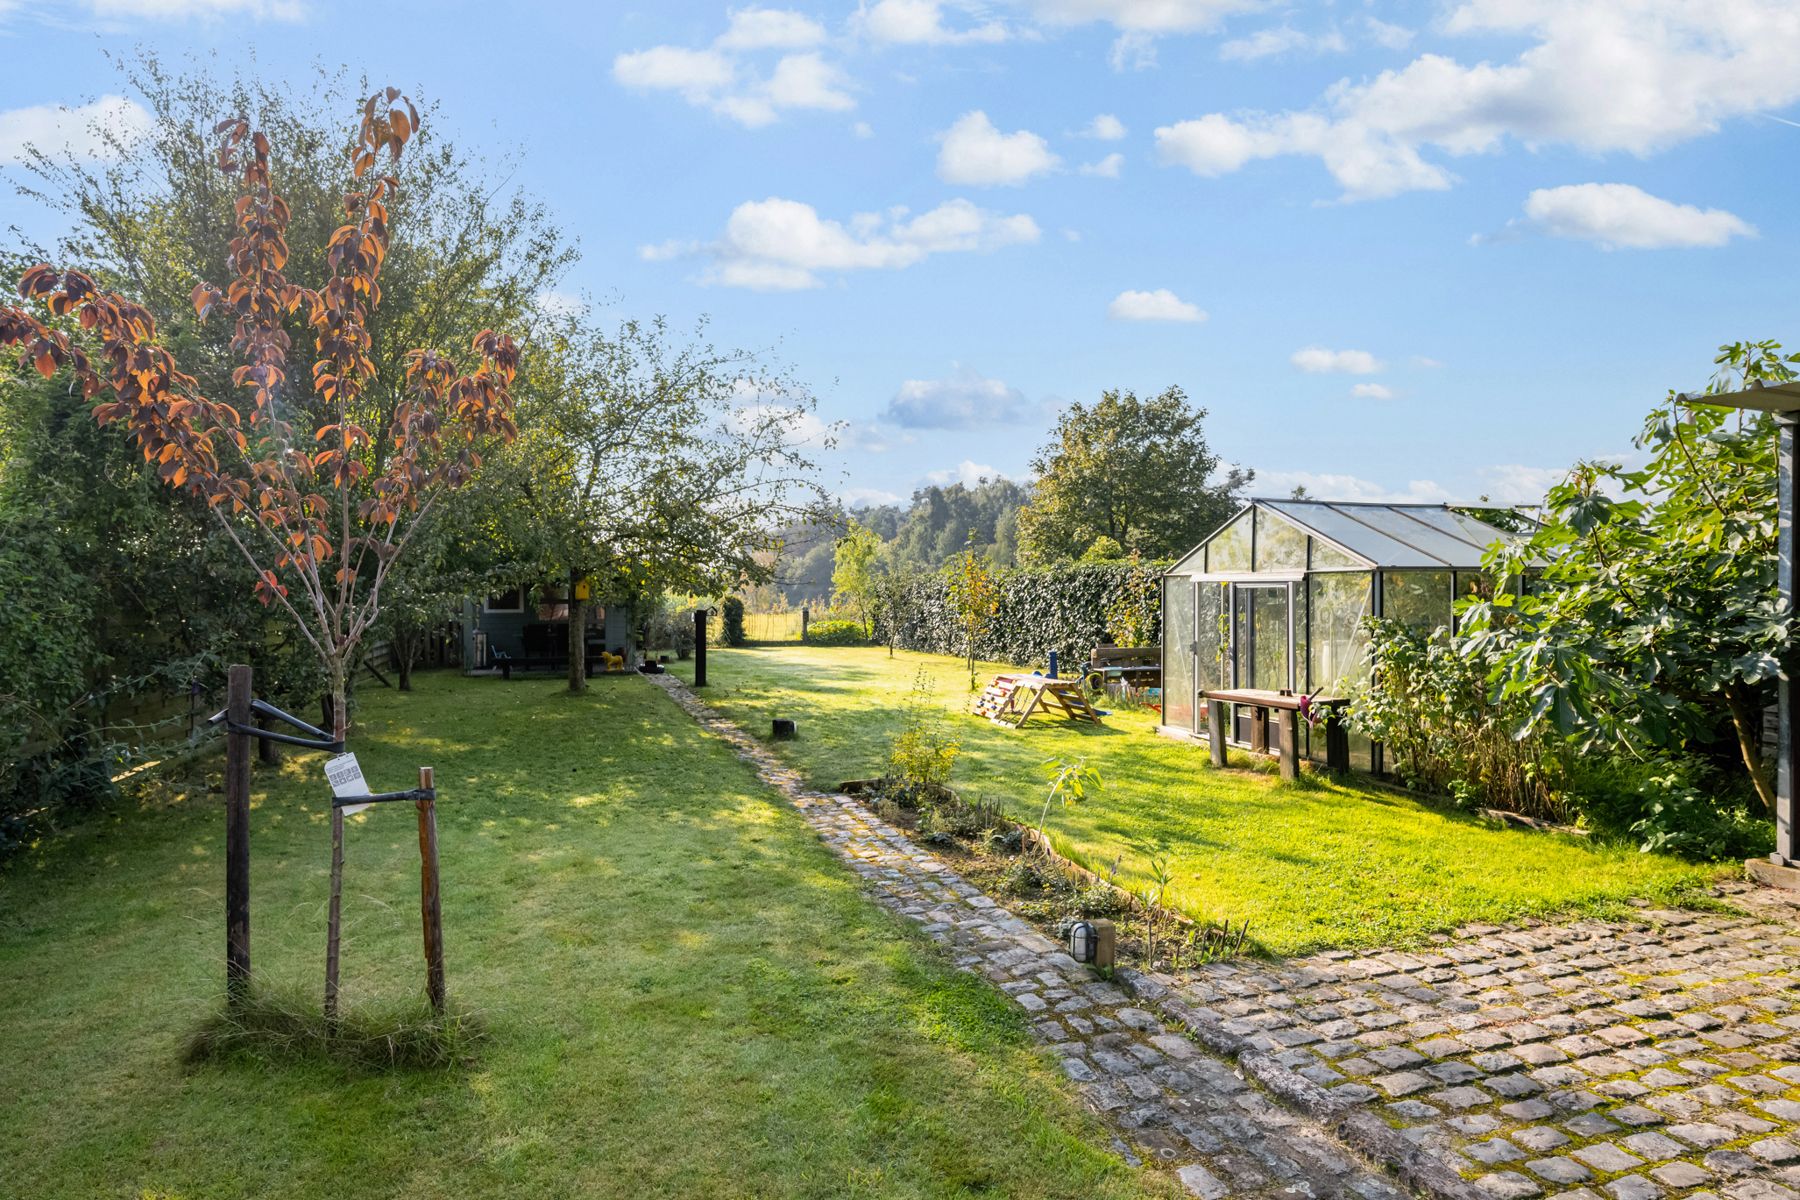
(1061, 608)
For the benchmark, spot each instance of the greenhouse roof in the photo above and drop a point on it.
(1391, 535)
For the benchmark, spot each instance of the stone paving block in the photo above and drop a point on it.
(1680, 1174)
(1759, 1189)
(1462, 1097)
(1527, 1110)
(1508, 1185)
(1701, 1134)
(1402, 1083)
(1653, 1146)
(1633, 1187)
(1730, 1163)
(1775, 1150)
(1559, 1170)
(1604, 1156)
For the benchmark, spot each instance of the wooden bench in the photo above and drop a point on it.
(1262, 703)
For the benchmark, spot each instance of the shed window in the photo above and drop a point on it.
(511, 600)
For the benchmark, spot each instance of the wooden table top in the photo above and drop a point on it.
(1262, 698)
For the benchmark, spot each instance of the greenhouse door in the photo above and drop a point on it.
(1263, 644)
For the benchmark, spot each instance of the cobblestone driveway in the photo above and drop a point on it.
(1586, 1061)
(1637, 1060)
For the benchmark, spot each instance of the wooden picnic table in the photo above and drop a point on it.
(1000, 701)
(1262, 701)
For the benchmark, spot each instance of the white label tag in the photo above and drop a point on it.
(345, 775)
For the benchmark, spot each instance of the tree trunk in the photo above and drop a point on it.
(403, 653)
(1745, 720)
(577, 637)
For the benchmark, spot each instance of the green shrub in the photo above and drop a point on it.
(1681, 806)
(924, 751)
(731, 622)
(836, 633)
(1428, 704)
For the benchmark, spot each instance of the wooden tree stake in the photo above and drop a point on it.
(430, 909)
(237, 836)
(332, 918)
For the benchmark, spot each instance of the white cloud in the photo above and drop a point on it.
(1106, 168)
(964, 400)
(1419, 360)
(1619, 216)
(1372, 391)
(974, 152)
(697, 74)
(1329, 486)
(278, 10)
(1283, 39)
(920, 23)
(103, 129)
(1391, 37)
(1317, 360)
(721, 79)
(770, 29)
(966, 472)
(1139, 16)
(867, 497)
(554, 303)
(1601, 76)
(1105, 127)
(1504, 484)
(673, 248)
(863, 129)
(784, 245)
(1160, 305)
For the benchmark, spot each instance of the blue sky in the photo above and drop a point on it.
(1426, 249)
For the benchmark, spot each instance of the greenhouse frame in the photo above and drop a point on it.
(1274, 601)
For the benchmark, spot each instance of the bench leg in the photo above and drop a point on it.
(1290, 744)
(506, 669)
(1215, 731)
(1337, 743)
(1259, 730)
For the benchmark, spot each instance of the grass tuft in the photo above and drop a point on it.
(273, 1026)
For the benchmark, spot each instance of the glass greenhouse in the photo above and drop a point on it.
(1275, 598)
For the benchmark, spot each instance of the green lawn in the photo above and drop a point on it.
(1311, 865)
(685, 993)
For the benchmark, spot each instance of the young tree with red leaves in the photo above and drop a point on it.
(319, 506)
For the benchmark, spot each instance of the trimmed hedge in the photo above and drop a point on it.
(1061, 608)
(836, 633)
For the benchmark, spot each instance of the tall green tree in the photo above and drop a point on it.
(1138, 471)
(652, 463)
(854, 571)
(1655, 623)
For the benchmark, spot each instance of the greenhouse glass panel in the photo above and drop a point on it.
(1399, 524)
(1212, 641)
(1178, 656)
(1268, 637)
(1337, 648)
(1279, 546)
(1420, 600)
(1327, 557)
(1229, 549)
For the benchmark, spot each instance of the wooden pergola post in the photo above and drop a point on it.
(1783, 400)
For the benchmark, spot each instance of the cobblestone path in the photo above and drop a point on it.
(1167, 1101)
(1634, 1061)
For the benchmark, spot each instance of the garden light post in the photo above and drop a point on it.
(1782, 400)
(700, 647)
